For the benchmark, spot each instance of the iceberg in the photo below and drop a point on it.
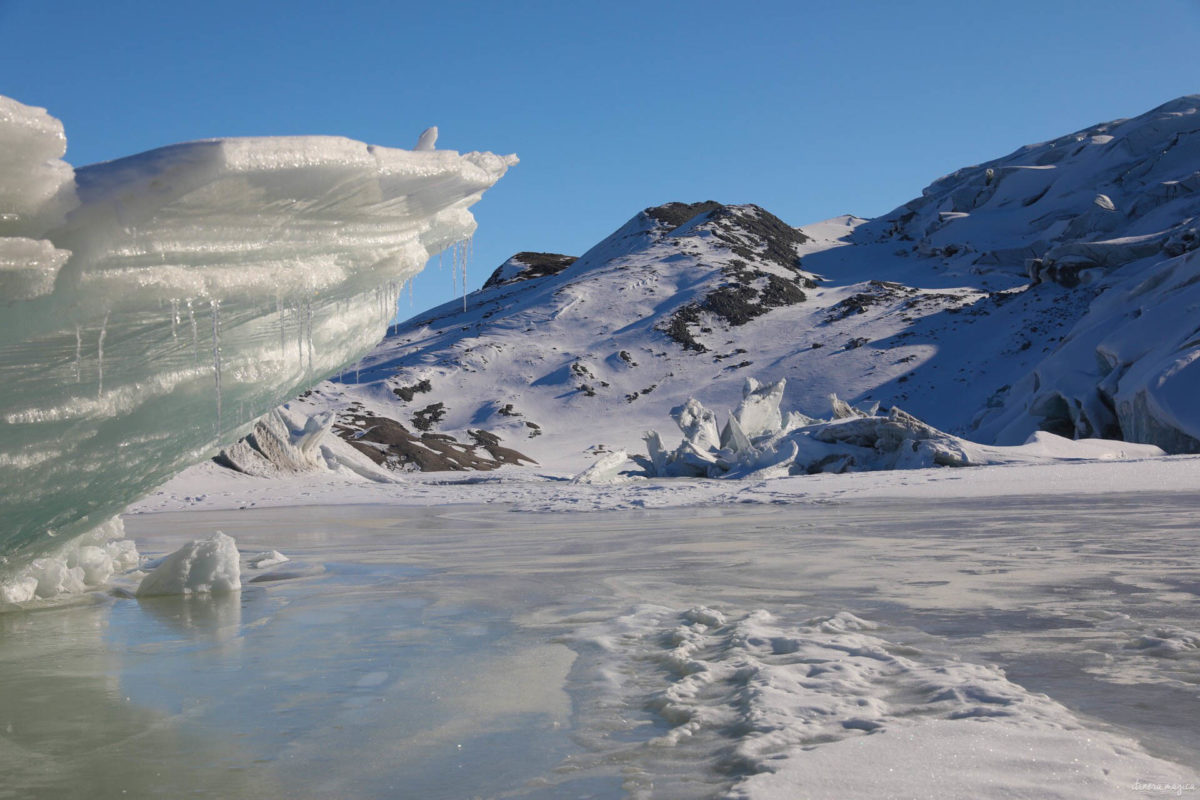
(152, 308)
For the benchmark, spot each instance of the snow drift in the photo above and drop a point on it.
(155, 306)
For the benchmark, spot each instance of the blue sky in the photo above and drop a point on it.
(810, 109)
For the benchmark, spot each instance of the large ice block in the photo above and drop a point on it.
(152, 307)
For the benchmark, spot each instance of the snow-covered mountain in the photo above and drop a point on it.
(1051, 289)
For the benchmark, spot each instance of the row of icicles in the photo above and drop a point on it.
(387, 298)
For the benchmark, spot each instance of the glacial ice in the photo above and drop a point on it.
(273, 448)
(759, 441)
(428, 139)
(1112, 210)
(605, 469)
(155, 306)
(81, 564)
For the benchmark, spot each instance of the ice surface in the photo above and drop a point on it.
(734, 650)
(192, 289)
(202, 566)
(605, 469)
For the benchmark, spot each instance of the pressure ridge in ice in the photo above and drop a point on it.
(759, 440)
(155, 306)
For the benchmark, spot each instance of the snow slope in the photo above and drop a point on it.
(1047, 290)
(154, 306)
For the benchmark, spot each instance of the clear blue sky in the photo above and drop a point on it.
(808, 109)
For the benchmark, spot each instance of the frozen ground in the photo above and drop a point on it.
(997, 632)
(208, 487)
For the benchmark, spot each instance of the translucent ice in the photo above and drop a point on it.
(152, 307)
(77, 565)
(428, 139)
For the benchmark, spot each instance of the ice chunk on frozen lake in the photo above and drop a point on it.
(201, 566)
(269, 558)
(605, 469)
(188, 291)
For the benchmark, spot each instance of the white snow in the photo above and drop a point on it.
(202, 566)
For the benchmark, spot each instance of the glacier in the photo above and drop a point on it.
(155, 306)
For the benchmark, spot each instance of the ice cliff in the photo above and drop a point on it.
(153, 307)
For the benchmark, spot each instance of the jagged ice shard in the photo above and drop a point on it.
(152, 307)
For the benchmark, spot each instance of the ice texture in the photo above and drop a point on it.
(81, 564)
(153, 307)
(202, 566)
(428, 139)
(831, 708)
(605, 469)
(274, 448)
(269, 558)
(759, 441)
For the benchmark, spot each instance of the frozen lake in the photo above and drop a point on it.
(737, 651)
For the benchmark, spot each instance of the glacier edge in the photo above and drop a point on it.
(155, 306)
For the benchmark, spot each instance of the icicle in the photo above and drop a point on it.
(195, 332)
(215, 305)
(282, 327)
(174, 320)
(308, 318)
(78, 355)
(462, 254)
(100, 356)
(299, 336)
